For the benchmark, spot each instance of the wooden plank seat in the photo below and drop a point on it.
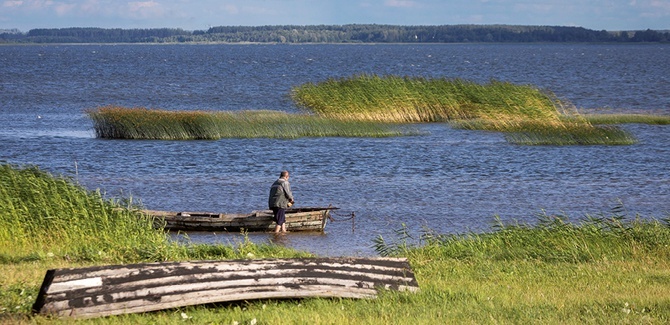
(135, 288)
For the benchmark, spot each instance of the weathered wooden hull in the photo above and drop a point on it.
(121, 289)
(298, 219)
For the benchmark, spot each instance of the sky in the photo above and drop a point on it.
(200, 15)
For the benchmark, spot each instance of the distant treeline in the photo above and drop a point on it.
(356, 33)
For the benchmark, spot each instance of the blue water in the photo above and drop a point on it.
(450, 181)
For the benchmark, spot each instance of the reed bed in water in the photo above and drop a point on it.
(575, 134)
(572, 131)
(527, 114)
(140, 123)
(416, 99)
(627, 118)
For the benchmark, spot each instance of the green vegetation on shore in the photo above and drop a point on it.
(607, 269)
(48, 222)
(115, 122)
(45, 217)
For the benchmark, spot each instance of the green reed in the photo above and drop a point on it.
(550, 239)
(416, 99)
(608, 268)
(44, 216)
(528, 115)
(140, 123)
(627, 118)
(571, 135)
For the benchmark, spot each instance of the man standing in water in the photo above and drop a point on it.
(281, 198)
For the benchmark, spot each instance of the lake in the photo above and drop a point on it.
(446, 180)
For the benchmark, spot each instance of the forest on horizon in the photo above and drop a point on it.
(353, 33)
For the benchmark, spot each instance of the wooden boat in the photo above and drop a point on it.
(99, 291)
(297, 219)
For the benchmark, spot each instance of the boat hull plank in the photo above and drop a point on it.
(121, 289)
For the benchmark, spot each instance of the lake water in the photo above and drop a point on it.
(451, 181)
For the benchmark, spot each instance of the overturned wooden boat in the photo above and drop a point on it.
(297, 219)
(121, 289)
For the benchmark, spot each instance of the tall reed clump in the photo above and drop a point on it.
(528, 114)
(42, 215)
(551, 239)
(571, 134)
(607, 268)
(415, 99)
(627, 118)
(50, 222)
(115, 122)
(46, 216)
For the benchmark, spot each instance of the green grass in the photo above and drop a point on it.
(45, 217)
(49, 222)
(605, 269)
(140, 123)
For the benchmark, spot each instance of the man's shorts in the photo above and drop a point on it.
(279, 215)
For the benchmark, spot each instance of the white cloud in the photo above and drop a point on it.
(64, 9)
(144, 9)
(401, 3)
(38, 4)
(12, 3)
(664, 6)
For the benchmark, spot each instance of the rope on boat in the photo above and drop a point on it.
(351, 217)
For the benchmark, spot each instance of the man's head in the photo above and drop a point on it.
(284, 174)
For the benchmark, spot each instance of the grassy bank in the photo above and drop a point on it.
(604, 270)
(607, 269)
(51, 222)
(115, 122)
(527, 114)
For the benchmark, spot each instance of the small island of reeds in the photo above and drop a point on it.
(375, 106)
(526, 114)
(114, 122)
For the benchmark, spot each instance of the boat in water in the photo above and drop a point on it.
(297, 219)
